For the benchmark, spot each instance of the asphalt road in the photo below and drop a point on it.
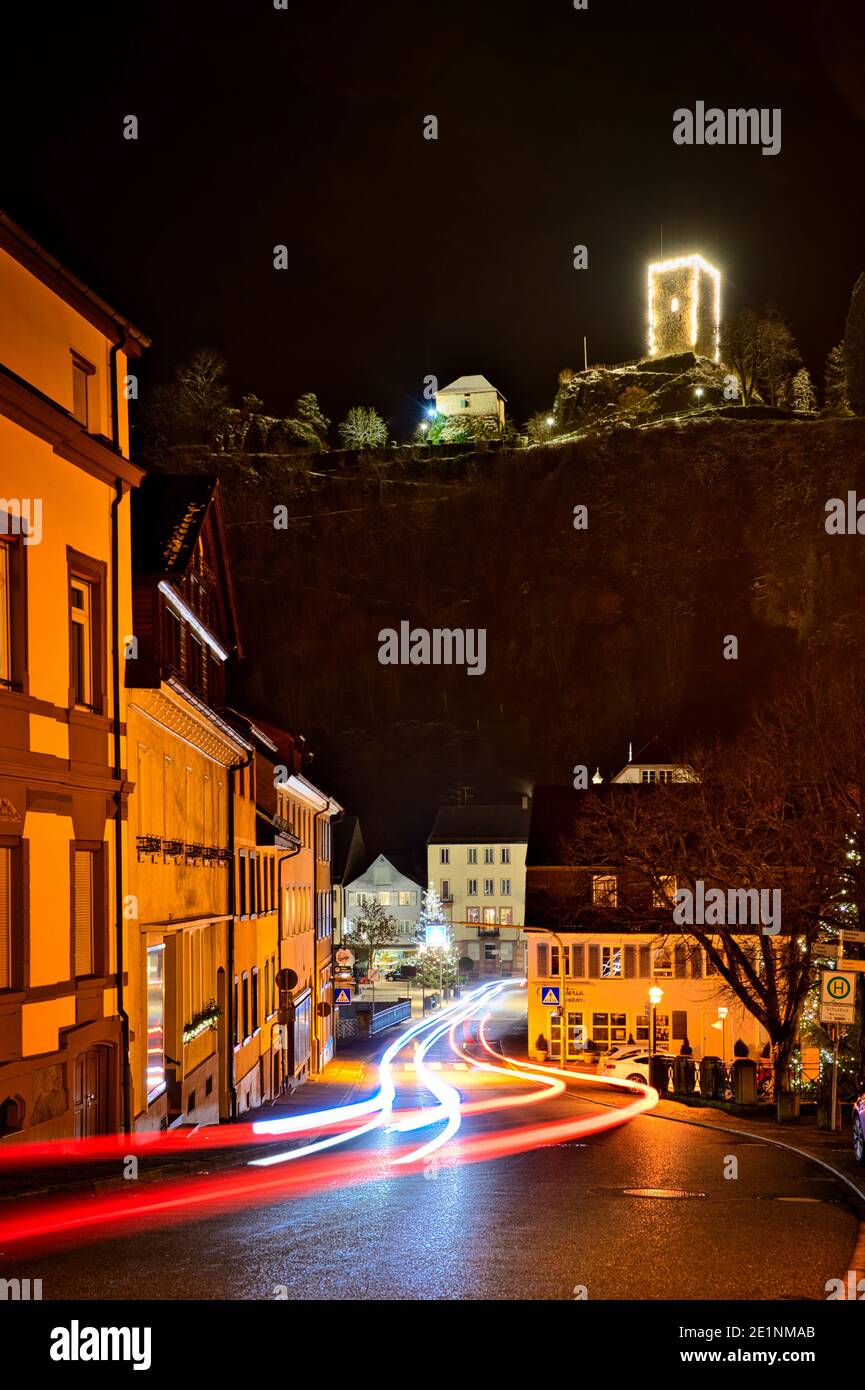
(642, 1212)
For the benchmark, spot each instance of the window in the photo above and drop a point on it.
(555, 962)
(489, 887)
(236, 1038)
(489, 917)
(385, 898)
(543, 959)
(5, 613)
(472, 856)
(155, 1020)
(663, 895)
(444, 856)
(665, 776)
(506, 916)
(82, 371)
(473, 915)
(407, 899)
(82, 639)
(245, 1005)
(663, 962)
(491, 950)
(255, 988)
(242, 860)
(609, 1029)
(604, 890)
(472, 888)
(173, 640)
(506, 888)
(446, 890)
(641, 1028)
(86, 911)
(506, 854)
(195, 674)
(489, 855)
(648, 774)
(611, 962)
(10, 897)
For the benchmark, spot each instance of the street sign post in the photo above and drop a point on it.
(342, 995)
(837, 996)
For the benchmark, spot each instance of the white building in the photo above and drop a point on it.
(473, 396)
(476, 860)
(654, 763)
(389, 884)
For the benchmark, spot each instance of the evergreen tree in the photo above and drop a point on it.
(308, 411)
(835, 383)
(802, 395)
(432, 916)
(854, 348)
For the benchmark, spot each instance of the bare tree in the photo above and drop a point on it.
(371, 931)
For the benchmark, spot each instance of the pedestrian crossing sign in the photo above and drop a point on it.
(550, 995)
(342, 996)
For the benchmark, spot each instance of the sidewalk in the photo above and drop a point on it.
(350, 1076)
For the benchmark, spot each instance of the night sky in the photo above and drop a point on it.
(412, 257)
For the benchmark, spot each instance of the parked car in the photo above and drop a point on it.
(629, 1068)
(859, 1129)
(402, 973)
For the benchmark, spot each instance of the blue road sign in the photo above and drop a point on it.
(342, 996)
(550, 995)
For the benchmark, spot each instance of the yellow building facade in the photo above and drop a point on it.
(65, 615)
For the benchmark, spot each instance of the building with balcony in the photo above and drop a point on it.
(65, 613)
(476, 860)
(191, 773)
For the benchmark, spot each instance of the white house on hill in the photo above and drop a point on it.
(474, 396)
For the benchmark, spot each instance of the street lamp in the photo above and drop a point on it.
(722, 1014)
(551, 420)
(656, 994)
(698, 392)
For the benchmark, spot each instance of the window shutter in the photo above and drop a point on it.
(645, 962)
(5, 917)
(577, 961)
(594, 962)
(630, 962)
(543, 959)
(680, 956)
(83, 906)
(680, 1024)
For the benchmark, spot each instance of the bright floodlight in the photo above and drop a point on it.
(436, 935)
(551, 420)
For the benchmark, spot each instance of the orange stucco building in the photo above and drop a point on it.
(65, 615)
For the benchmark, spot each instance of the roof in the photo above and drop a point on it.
(400, 863)
(468, 383)
(64, 283)
(554, 812)
(348, 854)
(480, 824)
(168, 512)
(657, 754)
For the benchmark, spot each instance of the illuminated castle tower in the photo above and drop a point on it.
(684, 307)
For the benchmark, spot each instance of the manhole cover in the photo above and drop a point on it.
(660, 1192)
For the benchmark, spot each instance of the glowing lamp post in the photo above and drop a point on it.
(722, 1015)
(656, 994)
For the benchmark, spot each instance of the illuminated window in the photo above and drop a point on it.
(406, 899)
(506, 916)
(663, 962)
(663, 895)
(155, 1020)
(473, 914)
(611, 962)
(489, 917)
(608, 1029)
(604, 890)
